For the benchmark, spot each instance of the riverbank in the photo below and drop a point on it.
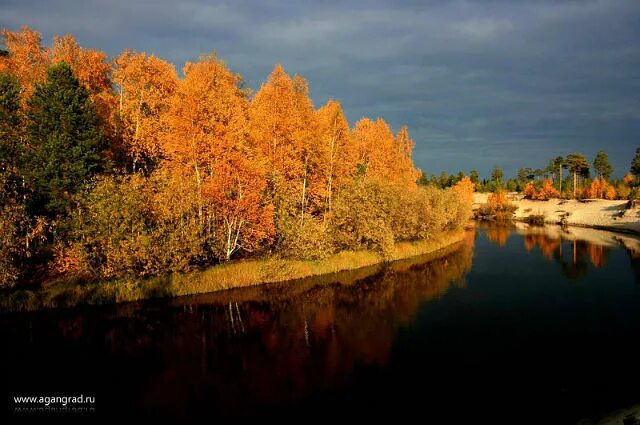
(595, 213)
(69, 293)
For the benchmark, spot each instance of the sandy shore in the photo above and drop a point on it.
(596, 213)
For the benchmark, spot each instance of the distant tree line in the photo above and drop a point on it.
(568, 177)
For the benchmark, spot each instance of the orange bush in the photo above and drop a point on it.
(465, 188)
(601, 189)
(610, 193)
(530, 191)
(544, 193)
(548, 191)
(595, 191)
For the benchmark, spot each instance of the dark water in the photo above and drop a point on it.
(507, 328)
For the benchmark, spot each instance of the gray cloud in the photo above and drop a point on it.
(478, 82)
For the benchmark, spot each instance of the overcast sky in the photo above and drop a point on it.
(479, 83)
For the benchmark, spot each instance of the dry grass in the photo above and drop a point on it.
(226, 276)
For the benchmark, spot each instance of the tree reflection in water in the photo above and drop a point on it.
(556, 244)
(237, 351)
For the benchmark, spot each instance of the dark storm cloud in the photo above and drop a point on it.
(478, 82)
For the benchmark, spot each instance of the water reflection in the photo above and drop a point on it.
(520, 337)
(574, 249)
(239, 350)
(498, 234)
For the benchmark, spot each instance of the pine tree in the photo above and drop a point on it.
(10, 122)
(497, 174)
(64, 142)
(635, 164)
(474, 176)
(558, 163)
(601, 165)
(578, 165)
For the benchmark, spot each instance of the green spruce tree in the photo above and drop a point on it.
(10, 124)
(65, 143)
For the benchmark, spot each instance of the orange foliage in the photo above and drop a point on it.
(208, 139)
(498, 198)
(530, 191)
(382, 155)
(145, 85)
(601, 189)
(248, 163)
(278, 126)
(465, 188)
(89, 66)
(284, 128)
(27, 60)
(546, 192)
(628, 179)
(337, 156)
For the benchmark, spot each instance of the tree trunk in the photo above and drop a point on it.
(304, 190)
(135, 136)
(560, 169)
(331, 159)
(575, 182)
(121, 96)
(199, 183)
(232, 240)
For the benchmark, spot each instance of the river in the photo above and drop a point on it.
(514, 325)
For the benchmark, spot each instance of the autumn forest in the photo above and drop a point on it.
(114, 167)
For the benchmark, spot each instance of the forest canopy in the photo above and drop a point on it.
(115, 167)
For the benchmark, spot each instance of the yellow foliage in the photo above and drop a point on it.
(145, 84)
(601, 189)
(215, 173)
(530, 191)
(465, 188)
(610, 193)
(547, 190)
(27, 60)
(381, 155)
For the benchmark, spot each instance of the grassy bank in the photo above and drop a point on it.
(226, 276)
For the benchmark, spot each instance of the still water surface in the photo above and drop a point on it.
(512, 326)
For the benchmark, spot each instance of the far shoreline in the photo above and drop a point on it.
(600, 214)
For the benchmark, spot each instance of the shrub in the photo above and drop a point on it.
(497, 208)
(544, 192)
(374, 215)
(535, 219)
(623, 190)
(530, 191)
(126, 226)
(12, 224)
(548, 191)
(362, 217)
(307, 240)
